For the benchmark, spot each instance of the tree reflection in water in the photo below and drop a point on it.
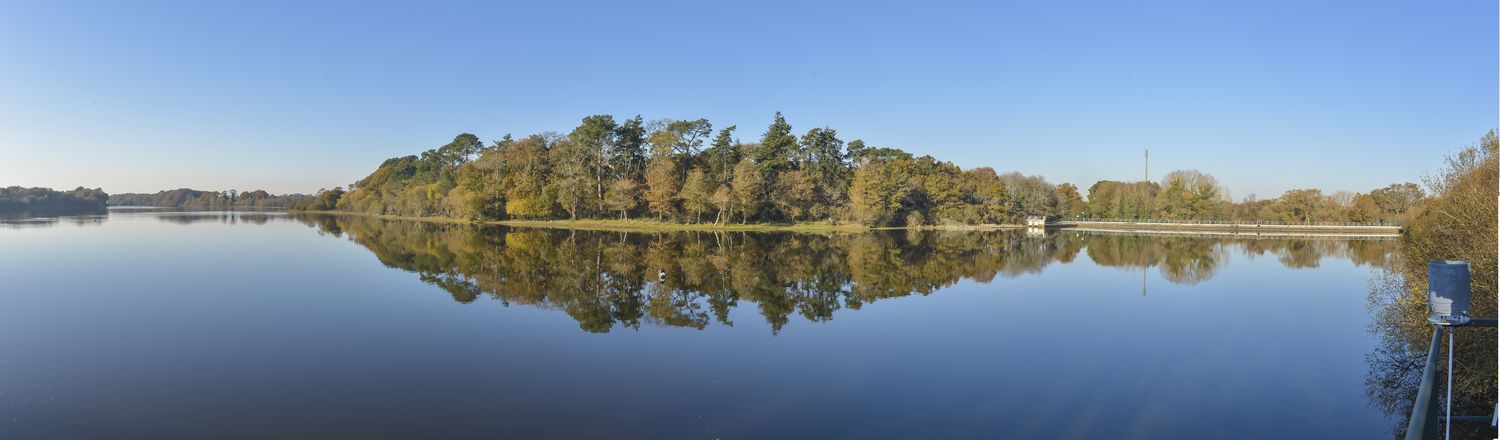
(26, 221)
(611, 280)
(606, 279)
(225, 217)
(1398, 311)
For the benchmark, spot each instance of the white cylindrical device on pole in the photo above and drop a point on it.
(1448, 292)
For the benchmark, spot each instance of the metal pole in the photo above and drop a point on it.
(1424, 409)
(1448, 423)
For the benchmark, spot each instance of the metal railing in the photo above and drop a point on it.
(1225, 222)
(1424, 412)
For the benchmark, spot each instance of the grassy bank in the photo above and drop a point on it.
(658, 226)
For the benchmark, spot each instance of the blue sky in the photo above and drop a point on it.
(297, 96)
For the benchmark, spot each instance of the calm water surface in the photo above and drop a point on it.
(224, 325)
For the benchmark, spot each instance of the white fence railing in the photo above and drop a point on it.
(1221, 222)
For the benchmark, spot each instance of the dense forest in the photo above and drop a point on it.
(16, 198)
(190, 198)
(684, 171)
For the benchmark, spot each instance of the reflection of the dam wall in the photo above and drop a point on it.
(691, 278)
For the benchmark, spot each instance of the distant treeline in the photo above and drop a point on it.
(660, 169)
(191, 198)
(1192, 195)
(16, 198)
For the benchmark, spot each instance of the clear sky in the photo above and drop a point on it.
(297, 96)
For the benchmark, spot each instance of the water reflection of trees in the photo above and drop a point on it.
(13, 218)
(692, 279)
(24, 222)
(1182, 260)
(1194, 259)
(1398, 309)
(224, 217)
(35, 219)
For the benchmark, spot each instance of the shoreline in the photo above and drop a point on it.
(646, 225)
(1246, 228)
(653, 225)
(1233, 234)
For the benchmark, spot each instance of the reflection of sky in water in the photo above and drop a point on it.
(253, 324)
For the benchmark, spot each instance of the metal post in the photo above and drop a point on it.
(1424, 410)
(1448, 423)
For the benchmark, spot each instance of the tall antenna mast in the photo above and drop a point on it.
(1148, 165)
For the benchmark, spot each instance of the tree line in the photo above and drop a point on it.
(1193, 195)
(17, 198)
(676, 170)
(685, 171)
(191, 198)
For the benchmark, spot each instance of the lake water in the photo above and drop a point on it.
(255, 325)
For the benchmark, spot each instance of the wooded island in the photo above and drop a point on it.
(604, 169)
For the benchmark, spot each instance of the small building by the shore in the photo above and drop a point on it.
(1037, 221)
